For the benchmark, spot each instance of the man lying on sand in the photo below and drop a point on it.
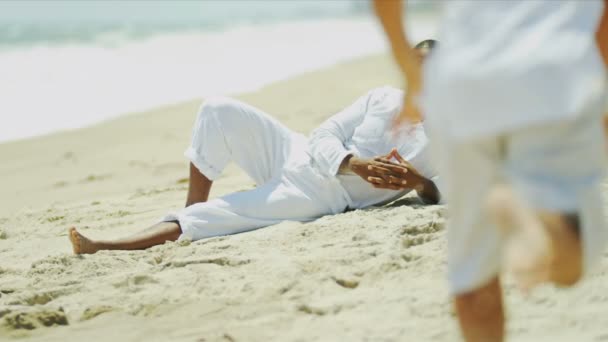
(351, 161)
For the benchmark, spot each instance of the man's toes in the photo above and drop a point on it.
(75, 240)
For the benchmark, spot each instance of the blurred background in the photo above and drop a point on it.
(68, 64)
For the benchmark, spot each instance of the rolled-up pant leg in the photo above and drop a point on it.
(229, 130)
(275, 201)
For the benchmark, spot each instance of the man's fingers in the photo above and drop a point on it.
(380, 183)
(383, 160)
(398, 157)
(375, 180)
(387, 186)
(392, 167)
(386, 156)
(379, 169)
(397, 181)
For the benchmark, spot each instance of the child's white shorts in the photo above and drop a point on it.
(556, 167)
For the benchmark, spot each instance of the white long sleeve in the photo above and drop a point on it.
(327, 143)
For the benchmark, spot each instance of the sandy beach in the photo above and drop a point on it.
(367, 275)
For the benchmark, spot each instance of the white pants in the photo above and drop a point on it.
(288, 186)
(556, 167)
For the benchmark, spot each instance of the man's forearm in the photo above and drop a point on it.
(345, 166)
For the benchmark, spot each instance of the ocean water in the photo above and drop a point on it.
(68, 64)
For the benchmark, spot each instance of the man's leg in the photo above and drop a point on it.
(155, 235)
(198, 187)
(229, 130)
(269, 204)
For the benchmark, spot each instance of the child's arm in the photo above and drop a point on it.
(602, 34)
(602, 44)
(390, 13)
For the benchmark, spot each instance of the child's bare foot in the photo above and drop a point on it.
(81, 244)
(528, 253)
(541, 246)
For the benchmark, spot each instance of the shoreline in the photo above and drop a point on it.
(82, 84)
(54, 88)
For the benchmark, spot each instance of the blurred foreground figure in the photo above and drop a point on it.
(513, 96)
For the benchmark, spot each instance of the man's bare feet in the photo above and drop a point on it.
(81, 244)
(528, 253)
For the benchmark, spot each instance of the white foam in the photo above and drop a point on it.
(45, 89)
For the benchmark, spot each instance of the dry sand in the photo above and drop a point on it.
(367, 275)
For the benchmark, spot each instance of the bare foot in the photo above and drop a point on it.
(81, 244)
(528, 253)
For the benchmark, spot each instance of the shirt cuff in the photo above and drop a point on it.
(334, 168)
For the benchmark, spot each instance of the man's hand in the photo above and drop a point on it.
(379, 174)
(426, 189)
(410, 175)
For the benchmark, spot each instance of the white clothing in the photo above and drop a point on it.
(364, 129)
(513, 94)
(557, 167)
(296, 178)
(504, 65)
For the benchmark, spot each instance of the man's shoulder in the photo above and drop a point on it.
(386, 97)
(387, 90)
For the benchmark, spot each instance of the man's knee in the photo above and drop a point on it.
(218, 108)
(217, 116)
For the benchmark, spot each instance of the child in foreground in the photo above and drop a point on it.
(513, 98)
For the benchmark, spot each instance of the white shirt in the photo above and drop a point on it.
(502, 65)
(364, 130)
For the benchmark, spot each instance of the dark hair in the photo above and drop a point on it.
(427, 44)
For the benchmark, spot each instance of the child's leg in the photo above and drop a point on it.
(480, 313)
(542, 246)
(552, 214)
(468, 170)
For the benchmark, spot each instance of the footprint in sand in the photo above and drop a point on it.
(221, 261)
(30, 319)
(41, 298)
(96, 178)
(411, 241)
(346, 283)
(94, 311)
(427, 228)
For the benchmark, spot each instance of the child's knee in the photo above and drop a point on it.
(566, 275)
(485, 301)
